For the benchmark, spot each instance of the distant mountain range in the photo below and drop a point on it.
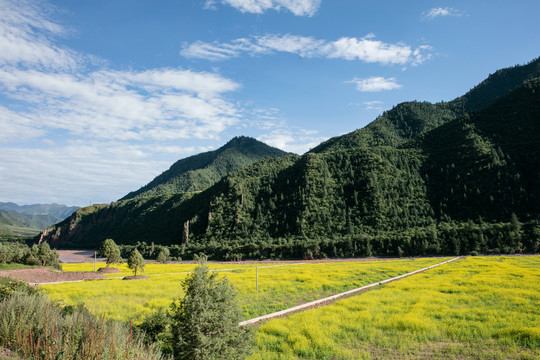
(29, 220)
(449, 178)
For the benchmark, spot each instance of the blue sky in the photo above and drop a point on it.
(97, 97)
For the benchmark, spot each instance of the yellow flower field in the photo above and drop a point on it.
(280, 287)
(476, 308)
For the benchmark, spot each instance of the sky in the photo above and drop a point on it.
(97, 97)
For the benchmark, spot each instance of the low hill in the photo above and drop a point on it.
(199, 172)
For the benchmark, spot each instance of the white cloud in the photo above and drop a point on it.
(291, 141)
(374, 84)
(157, 104)
(17, 127)
(297, 7)
(94, 172)
(26, 37)
(365, 49)
(69, 132)
(277, 133)
(441, 12)
(373, 105)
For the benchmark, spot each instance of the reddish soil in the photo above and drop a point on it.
(108, 270)
(41, 275)
(78, 256)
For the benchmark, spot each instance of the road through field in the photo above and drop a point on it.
(332, 298)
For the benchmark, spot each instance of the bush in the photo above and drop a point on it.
(205, 321)
(39, 329)
(10, 287)
(163, 256)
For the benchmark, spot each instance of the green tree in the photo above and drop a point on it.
(43, 253)
(163, 255)
(136, 261)
(205, 321)
(111, 251)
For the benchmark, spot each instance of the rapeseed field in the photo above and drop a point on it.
(475, 308)
(280, 287)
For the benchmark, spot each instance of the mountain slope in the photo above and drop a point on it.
(461, 187)
(12, 222)
(410, 119)
(199, 172)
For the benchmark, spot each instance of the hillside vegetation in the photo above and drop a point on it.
(199, 172)
(29, 220)
(427, 181)
(410, 119)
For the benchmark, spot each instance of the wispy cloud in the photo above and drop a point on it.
(27, 37)
(278, 133)
(374, 105)
(441, 12)
(105, 131)
(297, 7)
(157, 104)
(57, 90)
(366, 49)
(374, 84)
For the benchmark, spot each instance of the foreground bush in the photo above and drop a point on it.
(38, 329)
(205, 321)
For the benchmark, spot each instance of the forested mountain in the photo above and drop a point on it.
(470, 184)
(29, 220)
(410, 119)
(199, 172)
(60, 212)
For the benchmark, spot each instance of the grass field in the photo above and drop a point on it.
(476, 308)
(13, 266)
(280, 287)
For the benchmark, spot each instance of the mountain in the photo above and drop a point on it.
(410, 119)
(12, 222)
(58, 211)
(199, 172)
(29, 220)
(470, 184)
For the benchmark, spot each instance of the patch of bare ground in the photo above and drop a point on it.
(138, 277)
(41, 275)
(108, 270)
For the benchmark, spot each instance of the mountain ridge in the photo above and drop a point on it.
(198, 172)
(412, 118)
(355, 200)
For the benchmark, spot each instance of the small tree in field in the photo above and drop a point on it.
(110, 251)
(205, 321)
(136, 261)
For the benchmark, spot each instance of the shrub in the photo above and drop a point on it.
(205, 321)
(39, 329)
